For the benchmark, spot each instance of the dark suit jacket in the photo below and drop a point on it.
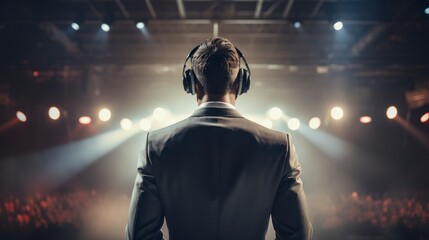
(217, 175)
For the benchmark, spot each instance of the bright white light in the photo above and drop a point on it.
(427, 10)
(365, 119)
(296, 25)
(391, 112)
(54, 113)
(338, 26)
(425, 117)
(105, 27)
(145, 124)
(140, 25)
(104, 114)
(159, 113)
(85, 120)
(275, 113)
(75, 26)
(126, 124)
(267, 123)
(21, 116)
(293, 124)
(337, 113)
(314, 123)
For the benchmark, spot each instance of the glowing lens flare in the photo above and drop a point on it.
(105, 27)
(54, 113)
(425, 117)
(293, 124)
(338, 26)
(140, 25)
(365, 119)
(275, 113)
(126, 124)
(104, 114)
(159, 113)
(85, 120)
(145, 124)
(391, 112)
(296, 25)
(75, 26)
(314, 123)
(21, 116)
(337, 113)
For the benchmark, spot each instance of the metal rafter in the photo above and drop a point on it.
(288, 8)
(94, 10)
(317, 8)
(273, 7)
(181, 8)
(258, 8)
(123, 9)
(366, 40)
(58, 36)
(151, 9)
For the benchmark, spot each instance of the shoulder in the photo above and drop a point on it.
(266, 133)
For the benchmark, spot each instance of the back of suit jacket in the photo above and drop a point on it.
(217, 175)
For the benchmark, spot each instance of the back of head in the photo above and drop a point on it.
(216, 64)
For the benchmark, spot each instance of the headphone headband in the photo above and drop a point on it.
(189, 77)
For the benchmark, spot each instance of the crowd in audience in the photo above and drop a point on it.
(382, 212)
(44, 210)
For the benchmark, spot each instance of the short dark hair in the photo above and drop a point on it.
(213, 64)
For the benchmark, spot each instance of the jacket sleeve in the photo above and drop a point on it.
(289, 213)
(145, 217)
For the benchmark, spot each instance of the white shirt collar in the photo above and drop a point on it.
(216, 104)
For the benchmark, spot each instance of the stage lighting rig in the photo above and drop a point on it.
(75, 26)
(314, 123)
(21, 116)
(140, 25)
(338, 26)
(391, 112)
(337, 113)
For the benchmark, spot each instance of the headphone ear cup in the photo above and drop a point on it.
(243, 79)
(189, 81)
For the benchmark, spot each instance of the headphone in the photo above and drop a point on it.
(189, 77)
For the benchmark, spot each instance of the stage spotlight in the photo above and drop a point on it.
(75, 26)
(21, 116)
(85, 120)
(35, 73)
(337, 113)
(105, 27)
(104, 114)
(145, 124)
(275, 113)
(391, 112)
(297, 25)
(338, 26)
(427, 11)
(365, 119)
(293, 124)
(126, 124)
(54, 113)
(425, 117)
(159, 113)
(314, 123)
(140, 25)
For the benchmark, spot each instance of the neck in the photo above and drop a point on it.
(228, 98)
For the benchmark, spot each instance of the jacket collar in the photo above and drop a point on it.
(220, 112)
